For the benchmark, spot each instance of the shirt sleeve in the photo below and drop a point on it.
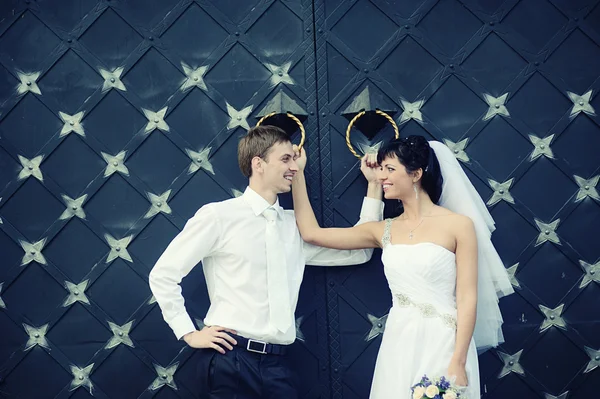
(195, 242)
(371, 211)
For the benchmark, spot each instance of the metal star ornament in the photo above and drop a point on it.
(511, 271)
(377, 326)
(33, 252)
(74, 207)
(156, 120)
(200, 160)
(587, 188)
(281, 74)
(501, 192)
(112, 79)
(496, 106)
(194, 77)
(115, 163)
(458, 149)
(2, 304)
(72, 123)
(236, 193)
(592, 273)
(511, 364)
(76, 293)
(411, 111)
(159, 204)
(152, 300)
(564, 395)
(118, 248)
(581, 104)
(37, 336)
(81, 378)
(553, 318)
(120, 335)
(164, 377)
(31, 167)
(594, 359)
(28, 83)
(547, 232)
(541, 147)
(365, 148)
(238, 118)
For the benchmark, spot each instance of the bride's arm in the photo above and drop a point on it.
(357, 237)
(466, 288)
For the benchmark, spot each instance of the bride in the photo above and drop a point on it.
(442, 269)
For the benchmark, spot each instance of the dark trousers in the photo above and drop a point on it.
(239, 374)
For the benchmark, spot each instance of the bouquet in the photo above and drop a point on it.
(440, 388)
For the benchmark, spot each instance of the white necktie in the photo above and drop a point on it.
(277, 279)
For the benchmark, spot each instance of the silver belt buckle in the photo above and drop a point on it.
(264, 347)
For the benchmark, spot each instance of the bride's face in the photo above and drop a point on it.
(396, 181)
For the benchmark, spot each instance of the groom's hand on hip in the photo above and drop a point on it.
(213, 337)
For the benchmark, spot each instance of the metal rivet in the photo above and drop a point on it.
(198, 160)
(150, 38)
(592, 272)
(320, 30)
(70, 41)
(511, 363)
(74, 208)
(542, 146)
(552, 317)
(30, 167)
(335, 370)
(72, 123)
(576, 19)
(407, 26)
(280, 73)
(37, 335)
(33, 252)
(365, 70)
(491, 23)
(323, 114)
(120, 333)
(164, 376)
(581, 103)
(536, 63)
(81, 377)
(547, 232)
(308, 29)
(115, 163)
(28, 83)
(237, 33)
(501, 191)
(331, 283)
(456, 151)
(497, 106)
(410, 111)
(597, 358)
(379, 325)
(76, 293)
(195, 78)
(451, 66)
(587, 187)
(156, 120)
(239, 118)
(312, 112)
(112, 80)
(117, 249)
(159, 204)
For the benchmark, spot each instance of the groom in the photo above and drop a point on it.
(253, 260)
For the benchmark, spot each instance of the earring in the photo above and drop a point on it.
(416, 191)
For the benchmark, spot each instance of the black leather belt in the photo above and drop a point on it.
(256, 346)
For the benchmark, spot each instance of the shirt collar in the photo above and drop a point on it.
(259, 204)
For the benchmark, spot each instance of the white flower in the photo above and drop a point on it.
(449, 395)
(431, 391)
(418, 392)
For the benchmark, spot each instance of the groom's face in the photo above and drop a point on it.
(279, 167)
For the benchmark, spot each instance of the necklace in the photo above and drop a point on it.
(410, 233)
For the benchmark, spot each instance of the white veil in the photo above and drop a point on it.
(459, 195)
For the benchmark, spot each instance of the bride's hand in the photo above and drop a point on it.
(458, 370)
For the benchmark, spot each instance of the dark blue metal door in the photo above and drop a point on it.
(119, 118)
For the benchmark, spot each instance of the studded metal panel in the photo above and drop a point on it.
(511, 87)
(118, 120)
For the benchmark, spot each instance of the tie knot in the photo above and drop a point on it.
(270, 214)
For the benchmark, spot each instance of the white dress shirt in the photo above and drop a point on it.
(229, 238)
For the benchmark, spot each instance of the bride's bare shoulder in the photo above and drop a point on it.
(451, 218)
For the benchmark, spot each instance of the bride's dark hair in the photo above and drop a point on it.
(415, 153)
